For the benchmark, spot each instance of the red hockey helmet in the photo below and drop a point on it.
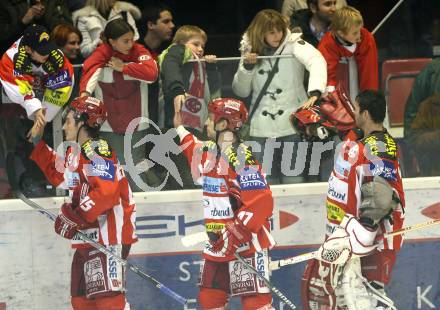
(319, 127)
(230, 109)
(90, 110)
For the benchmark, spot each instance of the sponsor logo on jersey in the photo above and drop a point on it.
(72, 179)
(250, 179)
(59, 80)
(214, 227)
(337, 189)
(94, 276)
(105, 169)
(334, 212)
(242, 280)
(342, 167)
(221, 211)
(384, 169)
(214, 185)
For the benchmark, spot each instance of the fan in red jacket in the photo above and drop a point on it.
(348, 38)
(120, 69)
(102, 206)
(237, 204)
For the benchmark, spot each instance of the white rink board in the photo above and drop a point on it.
(35, 262)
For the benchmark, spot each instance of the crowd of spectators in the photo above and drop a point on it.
(140, 64)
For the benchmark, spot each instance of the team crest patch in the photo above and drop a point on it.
(250, 178)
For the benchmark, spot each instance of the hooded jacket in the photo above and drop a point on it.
(286, 92)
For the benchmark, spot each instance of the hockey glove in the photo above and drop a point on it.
(232, 236)
(68, 222)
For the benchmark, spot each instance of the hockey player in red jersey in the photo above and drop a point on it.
(102, 206)
(365, 199)
(237, 204)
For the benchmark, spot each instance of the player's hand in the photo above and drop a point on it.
(178, 101)
(68, 222)
(231, 237)
(116, 64)
(210, 58)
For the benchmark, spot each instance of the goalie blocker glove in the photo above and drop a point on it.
(68, 222)
(231, 237)
(350, 238)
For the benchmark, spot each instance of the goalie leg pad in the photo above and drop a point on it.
(318, 284)
(378, 267)
(351, 293)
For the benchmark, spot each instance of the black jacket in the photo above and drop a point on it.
(301, 19)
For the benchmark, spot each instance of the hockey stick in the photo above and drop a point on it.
(193, 239)
(333, 255)
(266, 281)
(10, 171)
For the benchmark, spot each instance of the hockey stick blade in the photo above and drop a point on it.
(193, 239)
(10, 171)
(275, 290)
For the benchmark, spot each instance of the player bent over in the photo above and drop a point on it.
(237, 204)
(365, 199)
(102, 206)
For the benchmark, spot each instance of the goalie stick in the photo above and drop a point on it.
(10, 172)
(333, 255)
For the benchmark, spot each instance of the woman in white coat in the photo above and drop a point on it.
(275, 143)
(92, 19)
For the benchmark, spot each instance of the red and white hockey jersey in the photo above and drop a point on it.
(357, 163)
(233, 168)
(98, 187)
(125, 93)
(36, 88)
(365, 54)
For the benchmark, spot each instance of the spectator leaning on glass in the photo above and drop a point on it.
(119, 71)
(37, 75)
(269, 35)
(191, 85)
(348, 38)
(92, 18)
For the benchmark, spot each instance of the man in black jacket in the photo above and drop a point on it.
(314, 21)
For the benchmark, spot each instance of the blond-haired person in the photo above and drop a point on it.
(348, 38)
(270, 128)
(192, 85)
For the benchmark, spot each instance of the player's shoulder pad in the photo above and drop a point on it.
(239, 156)
(380, 144)
(98, 147)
